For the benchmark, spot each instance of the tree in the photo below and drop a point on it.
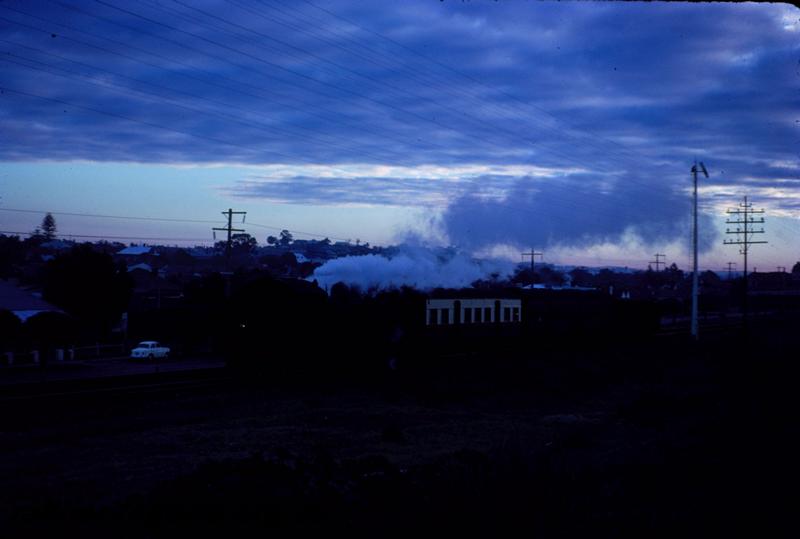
(272, 240)
(525, 276)
(286, 237)
(12, 253)
(709, 278)
(581, 277)
(243, 243)
(796, 268)
(46, 331)
(48, 227)
(10, 329)
(549, 276)
(88, 285)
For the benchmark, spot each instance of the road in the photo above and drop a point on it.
(100, 368)
(655, 437)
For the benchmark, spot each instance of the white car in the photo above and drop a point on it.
(149, 350)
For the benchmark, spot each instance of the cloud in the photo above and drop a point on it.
(309, 88)
(577, 211)
(425, 186)
(453, 113)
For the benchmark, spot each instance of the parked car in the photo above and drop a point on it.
(149, 350)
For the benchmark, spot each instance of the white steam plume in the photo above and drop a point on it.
(418, 267)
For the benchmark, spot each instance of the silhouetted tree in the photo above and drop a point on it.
(525, 276)
(550, 276)
(272, 240)
(243, 243)
(10, 329)
(674, 275)
(709, 278)
(181, 257)
(796, 268)
(48, 227)
(36, 238)
(89, 285)
(581, 277)
(286, 237)
(12, 253)
(289, 260)
(49, 330)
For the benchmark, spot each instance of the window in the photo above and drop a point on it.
(433, 317)
(478, 313)
(468, 315)
(515, 313)
(506, 314)
(445, 316)
(487, 314)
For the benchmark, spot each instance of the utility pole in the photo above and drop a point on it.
(695, 281)
(230, 230)
(730, 269)
(533, 254)
(657, 261)
(743, 218)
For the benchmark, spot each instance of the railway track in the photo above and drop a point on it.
(123, 386)
(717, 324)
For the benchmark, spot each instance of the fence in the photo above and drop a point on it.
(74, 353)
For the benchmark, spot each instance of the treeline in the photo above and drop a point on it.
(288, 327)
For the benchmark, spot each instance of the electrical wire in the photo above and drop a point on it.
(105, 237)
(134, 120)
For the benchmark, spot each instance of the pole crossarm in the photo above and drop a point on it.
(658, 260)
(742, 217)
(230, 230)
(533, 254)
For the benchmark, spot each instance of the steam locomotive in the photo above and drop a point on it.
(292, 326)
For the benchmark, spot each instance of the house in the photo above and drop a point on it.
(135, 250)
(57, 245)
(141, 266)
(441, 312)
(21, 302)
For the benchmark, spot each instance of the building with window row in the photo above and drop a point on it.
(444, 312)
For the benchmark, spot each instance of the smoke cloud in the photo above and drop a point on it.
(578, 210)
(419, 267)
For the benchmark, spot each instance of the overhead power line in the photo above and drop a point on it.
(742, 217)
(442, 84)
(160, 97)
(192, 134)
(183, 45)
(187, 70)
(229, 230)
(457, 72)
(106, 216)
(394, 89)
(433, 120)
(164, 219)
(105, 237)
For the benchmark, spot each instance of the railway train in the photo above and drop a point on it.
(292, 326)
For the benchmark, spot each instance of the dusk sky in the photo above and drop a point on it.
(491, 126)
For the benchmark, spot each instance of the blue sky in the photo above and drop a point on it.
(493, 126)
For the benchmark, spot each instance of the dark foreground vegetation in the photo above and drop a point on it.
(342, 410)
(654, 438)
